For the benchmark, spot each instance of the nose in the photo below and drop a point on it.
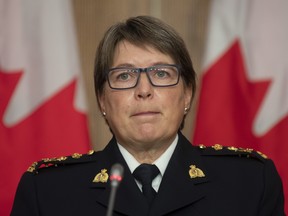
(144, 89)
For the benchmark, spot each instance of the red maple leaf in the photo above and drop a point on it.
(54, 129)
(228, 104)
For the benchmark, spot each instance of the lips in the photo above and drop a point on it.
(146, 113)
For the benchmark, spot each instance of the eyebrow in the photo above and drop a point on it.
(133, 66)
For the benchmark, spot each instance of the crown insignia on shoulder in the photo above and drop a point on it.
(55, 161)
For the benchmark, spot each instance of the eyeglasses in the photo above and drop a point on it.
(159, 75)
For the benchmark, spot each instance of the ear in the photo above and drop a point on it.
(101, 102)
(188, 96)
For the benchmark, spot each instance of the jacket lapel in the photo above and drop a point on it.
(177, 188)
(129, 199)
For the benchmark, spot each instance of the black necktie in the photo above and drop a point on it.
(145, 173)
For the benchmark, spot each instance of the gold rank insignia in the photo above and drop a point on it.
(76, 155)
(101, 177)
(263, 155)
(217, 147)
(195, 172)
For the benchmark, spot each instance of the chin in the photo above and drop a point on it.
(150, 137)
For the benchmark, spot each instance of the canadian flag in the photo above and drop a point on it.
(243, 99)
(42, 106)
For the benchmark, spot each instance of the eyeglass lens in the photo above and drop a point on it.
(160, 75)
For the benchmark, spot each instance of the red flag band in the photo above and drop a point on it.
(243, 98)
(41, 104)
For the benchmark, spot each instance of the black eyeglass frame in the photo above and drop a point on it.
(146, 70)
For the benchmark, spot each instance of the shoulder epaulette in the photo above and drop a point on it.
(53, 162)
(218, 149)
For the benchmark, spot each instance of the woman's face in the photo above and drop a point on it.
(144, 116)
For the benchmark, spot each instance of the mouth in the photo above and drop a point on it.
(145, 114)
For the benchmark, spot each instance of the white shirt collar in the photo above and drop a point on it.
(161, 162)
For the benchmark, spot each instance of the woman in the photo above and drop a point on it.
(145, 83)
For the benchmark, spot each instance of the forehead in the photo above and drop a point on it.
(127, 53)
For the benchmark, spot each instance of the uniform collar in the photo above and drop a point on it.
(161, 162)
(177, 188)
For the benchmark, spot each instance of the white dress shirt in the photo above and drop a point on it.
(161, 163)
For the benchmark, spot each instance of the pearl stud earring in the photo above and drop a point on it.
(186, 110)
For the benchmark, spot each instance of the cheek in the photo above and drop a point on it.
(117, 104)
(175, 106)
(175, 99)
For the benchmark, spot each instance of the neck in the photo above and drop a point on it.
(148, 156)
(147, 152)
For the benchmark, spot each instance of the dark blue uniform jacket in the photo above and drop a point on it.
(199, 181)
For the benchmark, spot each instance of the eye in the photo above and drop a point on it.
(123, 76)
(161, 74)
